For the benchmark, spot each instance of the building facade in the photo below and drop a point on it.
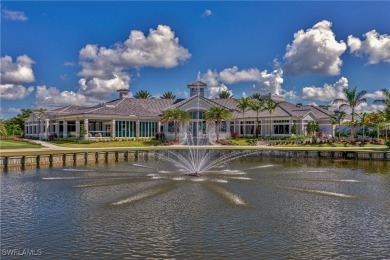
(141, 118)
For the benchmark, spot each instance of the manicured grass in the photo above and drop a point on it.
(11, 144)
(105, 144)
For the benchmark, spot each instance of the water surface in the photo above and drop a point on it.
(249, 208)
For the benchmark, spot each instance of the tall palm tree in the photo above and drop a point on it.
(168, 95)
(363, 122)
(143, 94)
(255, 96)
(352, 100)
(257, 106)
(224, 94)
(218, 114)
(176, 116)
(337, 119)
(385, 101)
(243, 104)
(271, 105)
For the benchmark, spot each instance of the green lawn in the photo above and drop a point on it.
(11, 144)
(65, 143)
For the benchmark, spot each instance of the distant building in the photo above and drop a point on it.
(130, 117)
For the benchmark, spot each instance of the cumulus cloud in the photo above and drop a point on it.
(12, 91)
(369, 108)
(106, 69)
(13, 75)
(269, 82)
(207, 12)
(375, 46)
(328, 92)
(315, 50)
(264, 82)
(13, 15)
(234, 75)
(214, 84)
(51, 97)
(19, 71)
(376, 95)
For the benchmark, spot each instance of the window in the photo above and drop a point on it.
(125, 128)
(197, 114)
(148, 129)
(281, 129)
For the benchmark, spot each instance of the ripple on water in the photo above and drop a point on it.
(320, 192)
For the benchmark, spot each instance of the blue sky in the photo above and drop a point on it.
(77, 53)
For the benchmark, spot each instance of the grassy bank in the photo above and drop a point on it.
(86, 144)
(12, 144)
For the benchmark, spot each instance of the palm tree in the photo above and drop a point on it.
(218, 114)
(363, 122)
(255, 96)
(143, 94)
(224, 94)
(352, 100)
(337, 119)
(257, 106)
(168, 95)
(270, 105)
(176, 116)
(385, 101)
(41, 110)
(243, 104)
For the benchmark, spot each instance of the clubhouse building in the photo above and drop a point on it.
(141, 118)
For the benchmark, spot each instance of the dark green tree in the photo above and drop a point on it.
(218, 114)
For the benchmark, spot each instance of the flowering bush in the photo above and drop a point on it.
(234, 135)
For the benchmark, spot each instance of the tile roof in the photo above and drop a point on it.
(155, 107)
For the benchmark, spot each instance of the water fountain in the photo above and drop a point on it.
(195, 159)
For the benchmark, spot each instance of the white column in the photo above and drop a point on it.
(77, 128)
(137, 129)
(113, 128)
(86, 127)
(47, 129)
(65, 129)
(158, 127)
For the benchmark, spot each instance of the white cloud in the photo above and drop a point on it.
(13, 75)
(69, 64)
(19, 71)
(269, 82)
(214, 86)
(289, 94)
(376, 95)
(328, 92)
(51, 97)
(207, 12)
(315, 50)
(376, 47)
(233, 75)
(12, 91)
(369, 108)
(13, 15)
(106, 69)
(264, 82)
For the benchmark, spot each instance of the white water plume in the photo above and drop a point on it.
(320, 192)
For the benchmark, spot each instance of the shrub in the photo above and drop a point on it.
(388, 144)
(234, 135)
